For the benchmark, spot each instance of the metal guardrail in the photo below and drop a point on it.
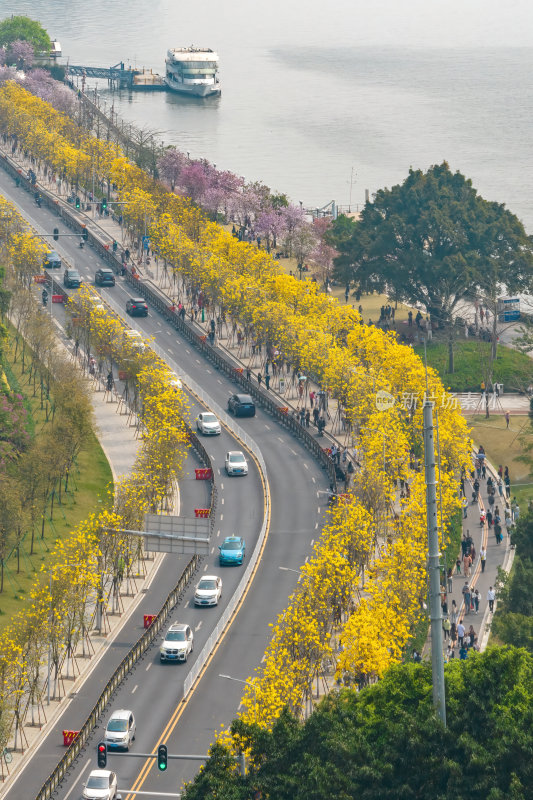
(164, 305)
(232, 369)
(138, 649)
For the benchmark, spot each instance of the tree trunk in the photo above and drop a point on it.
(451, 360)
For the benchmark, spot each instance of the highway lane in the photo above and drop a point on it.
(294, 478)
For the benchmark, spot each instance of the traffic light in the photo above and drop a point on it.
(85, 234)
(162, 756)
(77, 201)
(104, 203)
(102, 755)
(56, 234)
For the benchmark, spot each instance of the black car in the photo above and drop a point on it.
(52, 260)
(104, 277)
(72, 279)
(241, 405)
(136, 307)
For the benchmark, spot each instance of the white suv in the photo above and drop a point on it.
(177, 644)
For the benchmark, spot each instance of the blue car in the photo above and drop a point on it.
(232, 550)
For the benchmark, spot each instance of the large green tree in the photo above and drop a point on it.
(25, 29)
(435, 241)
(385, 743)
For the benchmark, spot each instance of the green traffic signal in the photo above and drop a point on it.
(104, 203)
(78, 202)
(162, 756)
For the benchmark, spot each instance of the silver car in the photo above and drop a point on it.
(208, 424)
(101, 785)
(120, 730)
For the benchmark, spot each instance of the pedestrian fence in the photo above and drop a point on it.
(136, 652)
(165, 305)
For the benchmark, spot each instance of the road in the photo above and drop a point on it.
(153, 690)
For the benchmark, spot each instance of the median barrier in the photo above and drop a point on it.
(138, 649)
(68, 737)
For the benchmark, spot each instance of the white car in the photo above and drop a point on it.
(120, 730)
(135, 340)
(207, 423)
(175, 381)
(209, 591)
(236, 463)
(101, 785)
(177, 644)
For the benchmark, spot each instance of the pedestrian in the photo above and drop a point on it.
(489, 518)
(453, 613)
(446, 627)
(491, 596)
(316, 415)
(248, 374)
(466, 597)
(259, 378)
(463, 653)
(450, 580)
(467, 563)
(307, 418)
(458, 565)
(507, 418)
(464, 546)
(507, 482)
(267, 381)
(483, 557)
(471, 636)
(477, 598)
(464, 503)
(311, 398)
(500, 486)
(498, 533)
(410, 319)
(110, 382)
(461, 633)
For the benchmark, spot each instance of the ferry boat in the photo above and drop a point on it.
(193, 71)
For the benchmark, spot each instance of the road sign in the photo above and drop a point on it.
(171, 534)
(146, 242)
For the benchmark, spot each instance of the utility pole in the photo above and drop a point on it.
(435, 611)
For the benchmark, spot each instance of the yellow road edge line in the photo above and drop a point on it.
(171, 725)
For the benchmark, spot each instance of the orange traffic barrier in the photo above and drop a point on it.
(203, 474)
(201, 512)
(39, 278)
(68, 737)
(58, 298)
(148, 619)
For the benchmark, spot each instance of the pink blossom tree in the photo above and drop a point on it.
(193, 181)
(20, 54)
(170, 166)
(270, 225)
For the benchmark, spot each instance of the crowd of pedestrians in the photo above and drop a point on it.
(501, 514)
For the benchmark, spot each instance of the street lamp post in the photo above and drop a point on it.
(248, 683)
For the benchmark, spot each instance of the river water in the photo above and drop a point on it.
(323, 101)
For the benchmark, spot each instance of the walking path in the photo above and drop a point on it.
(120, 444)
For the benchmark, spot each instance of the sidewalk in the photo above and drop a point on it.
(120, 445)
(498, 555)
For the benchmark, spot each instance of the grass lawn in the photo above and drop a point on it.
(512, 368)
(89, 483)
(505, 446)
